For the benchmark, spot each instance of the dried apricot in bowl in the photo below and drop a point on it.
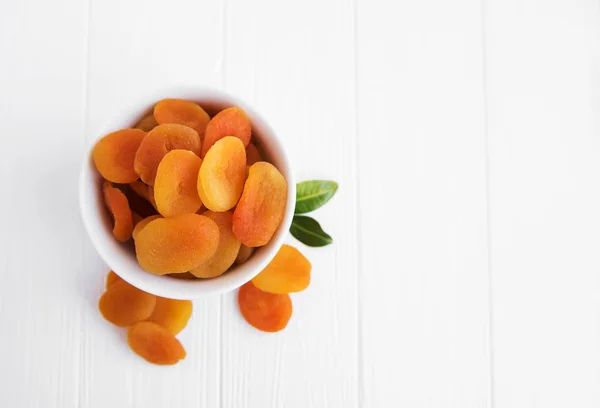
(176, 244)
(229, 122)
(142, 224)
(252, 154)
(175, 190)
(227, 250)
(222, 174)
(244, 254)
(123, 304)
(119, 208)
(172, 314)
(155, 344)
(114, 155)
(262, 205)
(288, 272)
(183, 113)
(158, 142)
(147, 123)
(268, 312)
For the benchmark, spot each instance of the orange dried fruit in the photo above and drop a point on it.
(185, 275)
(147, 123)
(118, 205)
(175, 186)
(172, 314)
(111, 278)
(158, 142)
(288, 272)
(261, 206)
(145, 191)
(142, 224)
(123, 304)
(229, 122)
(114, 155)
(155, 344)
(176, 244)
(252, 154)
(183, 113)
(222, 175)
(226, 252)
(244, 254)
(268, 312)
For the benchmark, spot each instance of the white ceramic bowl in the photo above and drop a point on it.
(120, 257)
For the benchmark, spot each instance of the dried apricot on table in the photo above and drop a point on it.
(172, 314)
(244, 254)
(262, 205)
(175, 186)
(158, 142)
(111, 278)
(183, 113)
(288, 272)
(176, 244)
(222, 174)
(268, 312)
(147, 123)
(123, 304)
(229, 122)
(227, 250)
(142, 224)
(118, 205)
(252, 154)
(114, 155)
(155, 344)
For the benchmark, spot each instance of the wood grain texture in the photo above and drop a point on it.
(423, 270)
(544, 145)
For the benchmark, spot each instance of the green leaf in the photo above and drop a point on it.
(313, 194)
(308, 231)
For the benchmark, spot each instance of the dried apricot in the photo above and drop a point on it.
(137, 203)
(118, 205)
(142, 224)
(123, 304)
(268, 312)
(111, 278)
(145, 191)
(176, 244)
(229, 122)
(183, 113)
(147, 123)
(185, 275)
(158, 142)
(244, 254)
(114, 155)
(288, 272)
(175, 189)
(227, 250)
(222, 174)
(172, 314)
(155, 344)
(262, 205)
(252, 154)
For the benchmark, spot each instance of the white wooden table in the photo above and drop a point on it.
(464, 134)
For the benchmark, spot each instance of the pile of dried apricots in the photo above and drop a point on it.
(197, 197)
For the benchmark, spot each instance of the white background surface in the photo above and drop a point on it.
(465, 138)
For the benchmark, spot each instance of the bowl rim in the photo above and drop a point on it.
(112, 252)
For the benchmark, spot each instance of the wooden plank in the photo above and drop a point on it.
(424, 268)
(41, 123)
(296, 65)
(544, 145)
(138, 47)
